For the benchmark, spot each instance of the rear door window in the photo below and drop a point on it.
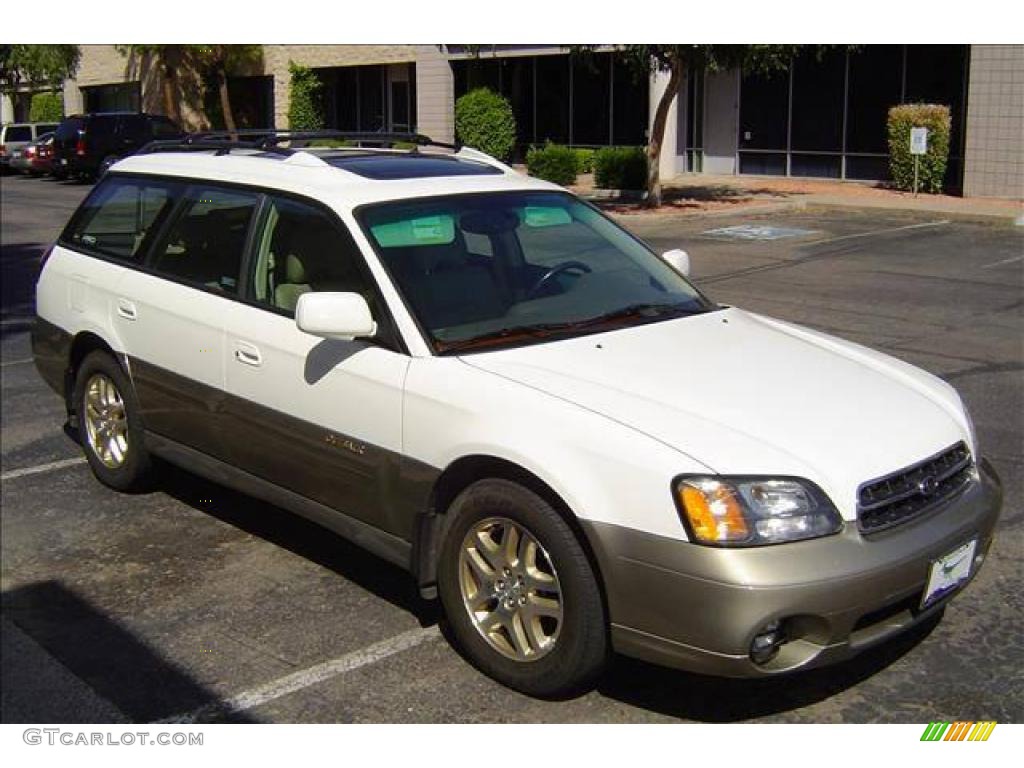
(45, 128)
(205, 243)
(119, 216)
(18, 133)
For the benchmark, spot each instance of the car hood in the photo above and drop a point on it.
(744, 394)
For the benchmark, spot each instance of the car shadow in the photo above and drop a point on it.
(299, 536)
(66, 633)
(19, 268)
(709, 699)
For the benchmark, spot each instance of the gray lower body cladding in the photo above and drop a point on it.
(699, 608)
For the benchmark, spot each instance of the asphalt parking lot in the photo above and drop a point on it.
(195, 602)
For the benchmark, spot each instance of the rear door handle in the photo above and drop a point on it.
(126, 309)
(248, 353)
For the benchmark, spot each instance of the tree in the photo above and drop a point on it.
(676, 60)
(305, 104)
(47, 65)
(169, 59)
(220, 61)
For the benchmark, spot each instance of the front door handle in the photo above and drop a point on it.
(126, 309)
(248, 353)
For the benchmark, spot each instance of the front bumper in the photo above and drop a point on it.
(698, 608)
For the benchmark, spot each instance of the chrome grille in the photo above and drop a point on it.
(904, 495)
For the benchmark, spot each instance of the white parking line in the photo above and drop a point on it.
(297, 681)
(872, 233)
(1004, 261)
(15, 362)
(50, 467)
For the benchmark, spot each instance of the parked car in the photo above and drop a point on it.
(87, 144)
(14, 137)
(484, 380)
(36, 159)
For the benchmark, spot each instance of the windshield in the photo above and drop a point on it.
(486, 270)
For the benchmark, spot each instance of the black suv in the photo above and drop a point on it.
(85, 145)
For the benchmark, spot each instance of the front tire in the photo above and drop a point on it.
(109, 425)
(519, 592)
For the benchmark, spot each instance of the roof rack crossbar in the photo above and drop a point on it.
(266, 137)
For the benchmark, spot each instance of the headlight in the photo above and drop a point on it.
(749, 511)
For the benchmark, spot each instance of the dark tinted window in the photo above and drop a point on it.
(118, 216)
(205, 243)
(18, 133)
(69, 128)
(301, 250)
(45, 128)
(101, 127)
(133, 125)
(163, 128)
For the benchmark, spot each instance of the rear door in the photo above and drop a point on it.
(170, 315)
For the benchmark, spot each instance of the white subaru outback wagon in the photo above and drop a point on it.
(482, 379)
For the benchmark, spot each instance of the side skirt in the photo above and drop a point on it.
(384, 545)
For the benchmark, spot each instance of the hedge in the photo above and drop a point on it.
(553, 162)
(932, 165)
(620, 168)
(484, 121)
(584, 160)
(46, 107)
(306, 105)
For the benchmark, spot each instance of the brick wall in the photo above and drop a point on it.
(994, 151)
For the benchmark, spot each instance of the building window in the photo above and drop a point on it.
(118, 97)
(370, 99)
(588, 100)
(826, 116)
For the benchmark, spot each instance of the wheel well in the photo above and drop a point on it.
(456, 478)
(84, 343)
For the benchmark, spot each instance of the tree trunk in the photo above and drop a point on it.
(225, 100)
(169, 63)
(658, 133)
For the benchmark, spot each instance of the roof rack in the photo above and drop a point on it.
(268, 140)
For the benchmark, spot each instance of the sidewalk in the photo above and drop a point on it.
(707, 194)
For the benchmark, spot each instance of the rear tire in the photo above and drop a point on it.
(519, 592)
(109, 425)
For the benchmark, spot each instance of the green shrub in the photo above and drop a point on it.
(584, 160)
(932, 165)
(552, 162)
(620, 168)
(484, 121)
(47, 107)
(306, 105)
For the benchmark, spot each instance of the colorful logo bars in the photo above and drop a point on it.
(959, 731)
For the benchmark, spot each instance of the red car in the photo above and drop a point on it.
(35, 159)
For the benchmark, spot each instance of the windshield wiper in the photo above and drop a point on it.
(648, 310)
(536, 330)
(545, 330)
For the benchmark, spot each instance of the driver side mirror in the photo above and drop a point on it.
(679, 260)
(340, 316)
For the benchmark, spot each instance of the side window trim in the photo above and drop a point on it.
(252, 238)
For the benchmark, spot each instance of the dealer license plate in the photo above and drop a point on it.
(949, 572)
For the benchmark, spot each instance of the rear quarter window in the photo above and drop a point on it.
(18, 133)
(116, 219)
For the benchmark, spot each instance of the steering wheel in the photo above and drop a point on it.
(558, 269)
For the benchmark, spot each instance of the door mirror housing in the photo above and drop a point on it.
(679, 260)
(340, 316)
